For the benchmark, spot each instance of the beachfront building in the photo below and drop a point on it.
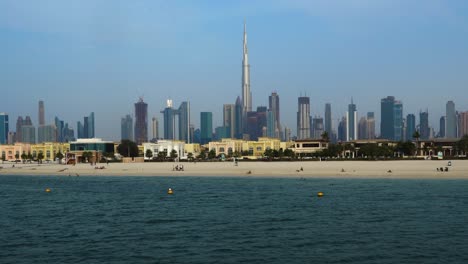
(14, 152)
(193, 148)
(165, 146)
(96, 146)
(309, 146)
(226, 146)
(49, 150)
(255, 149)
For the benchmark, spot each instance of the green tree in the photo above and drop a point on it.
(407, 148)
(190, 156)
(87, 155)
(60, 156)
(149, 154)
(289, 153)
(325, 136)
(17, 156)
(174, 154)
(212, 154)
(30, 156)
(3, 156)
(462, 144)
(40, 157)
(128, 148)
(162, 155)
(202, 155)
(24, 157)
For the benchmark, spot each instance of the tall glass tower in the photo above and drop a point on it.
(450, 120)
(4, 129)
(303, 117)
(141, 122)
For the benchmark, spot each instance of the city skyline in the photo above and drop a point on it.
(420, 62)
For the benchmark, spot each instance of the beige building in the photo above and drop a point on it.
(49, 149)
(309, 146)
(10, 152)
(255, 149)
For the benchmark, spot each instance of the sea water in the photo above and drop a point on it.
(232, 220)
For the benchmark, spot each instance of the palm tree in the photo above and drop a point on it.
(149, 154)
(40, 157)
(24, 156)
(325, 136)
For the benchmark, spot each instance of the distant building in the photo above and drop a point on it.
(442, 126)
(229, 119)
(41, 113)
(28, 134)
(303, 118)
(272, 129)
(462, 124)
(342, 129)
(450, 120)
(155, 129)
(64, 133)
(20, 122)
(362, 128)
(169, 121)
(328, 120)
(424, 129)
(391, 121)
(184, 121)
(46, 133)
(274, 107)
(126, 128)
(410, 126)
(317, 128)
(86, 129)
(397, 121)
(370, 125)
(4, 128)
(351, 121)
(141, 122)
(239, 129)
(166, 147)
(206, 127)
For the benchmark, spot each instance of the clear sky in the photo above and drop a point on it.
(92, 55)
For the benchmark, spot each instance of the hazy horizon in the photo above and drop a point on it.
(101, 56)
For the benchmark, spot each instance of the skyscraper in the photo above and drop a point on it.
(274, 106)
(342, 129)
(370, 125)
(126, 128)
(41, 113)
(351, 121)
(317, 127)
(387, 118)
(442, 126)
(328, 119)
(362, 128)
(184, 121)
(424, 129)
(46, 133)
(450, 120)
(397, 121)
(239, 122)
(206, 126)
(86, 129)
(229, 119)
(246, 94)
(141, 122)
(303, 118)
(410, 126)
(28, 134)
(20, 122)
(4, 129)
(155, 128)
(462, 124)
(271, 122)
(169, 120)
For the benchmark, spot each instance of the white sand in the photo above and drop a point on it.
(329, 169)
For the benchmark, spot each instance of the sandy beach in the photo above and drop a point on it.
(338, 169)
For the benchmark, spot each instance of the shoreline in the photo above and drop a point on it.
(407, 169)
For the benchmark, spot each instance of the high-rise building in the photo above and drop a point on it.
(303, 118)
(4, 128)
(155, 129)
(239, 122)
(28, 134)
(450, 120)
(462, 124)
(287, 134)
(410, 126)
(11, 138)
(229, 119)
(271, 125)
(362, 128)
(342, 127)
(351, 121)
(317, 127)
(328, 119)
(370, 125)
(424, 129)
(246, 93)
(86, 129)
(397, 121)
(184, 121)
(387, 120)
(46, 133)
(126, 128)
(20, 122)
(442, 126)
(274, 106)
(169, 120)
(206, 127)
(141, 122)
(64, 133)
(41, 113)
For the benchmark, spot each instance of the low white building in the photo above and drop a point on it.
(165, 146)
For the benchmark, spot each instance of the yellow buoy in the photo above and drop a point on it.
(48, 190)
(169, 191)
(320, 194)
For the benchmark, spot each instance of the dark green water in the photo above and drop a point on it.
(232, 220)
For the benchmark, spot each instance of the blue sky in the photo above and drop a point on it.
(91, 55)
